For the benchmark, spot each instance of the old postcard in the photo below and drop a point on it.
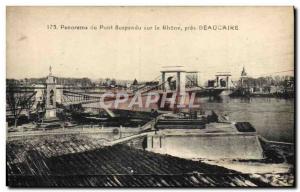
(150, 96)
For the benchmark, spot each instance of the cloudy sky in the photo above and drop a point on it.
(263, 43)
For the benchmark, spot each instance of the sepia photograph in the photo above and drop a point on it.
(150, 96)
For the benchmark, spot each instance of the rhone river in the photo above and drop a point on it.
(273, 118)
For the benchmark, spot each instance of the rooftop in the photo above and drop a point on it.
(79, 161)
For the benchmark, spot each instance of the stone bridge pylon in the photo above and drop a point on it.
(50, 96)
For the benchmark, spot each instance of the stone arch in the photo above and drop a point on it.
(51, 102)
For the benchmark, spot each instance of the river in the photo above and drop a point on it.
(273, 118)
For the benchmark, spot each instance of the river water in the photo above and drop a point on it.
(273, 118)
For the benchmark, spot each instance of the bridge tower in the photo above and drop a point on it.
(179, 88)
(223, 80)
(50, 97)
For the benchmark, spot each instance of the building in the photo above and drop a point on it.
(244, 78)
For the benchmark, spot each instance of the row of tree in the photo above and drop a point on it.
(285, 81)
(18, 100)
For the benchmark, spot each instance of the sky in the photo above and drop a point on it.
(263, 43)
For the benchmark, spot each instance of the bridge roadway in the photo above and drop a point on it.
(72, 97)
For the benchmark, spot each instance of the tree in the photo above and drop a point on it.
(18, 99)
